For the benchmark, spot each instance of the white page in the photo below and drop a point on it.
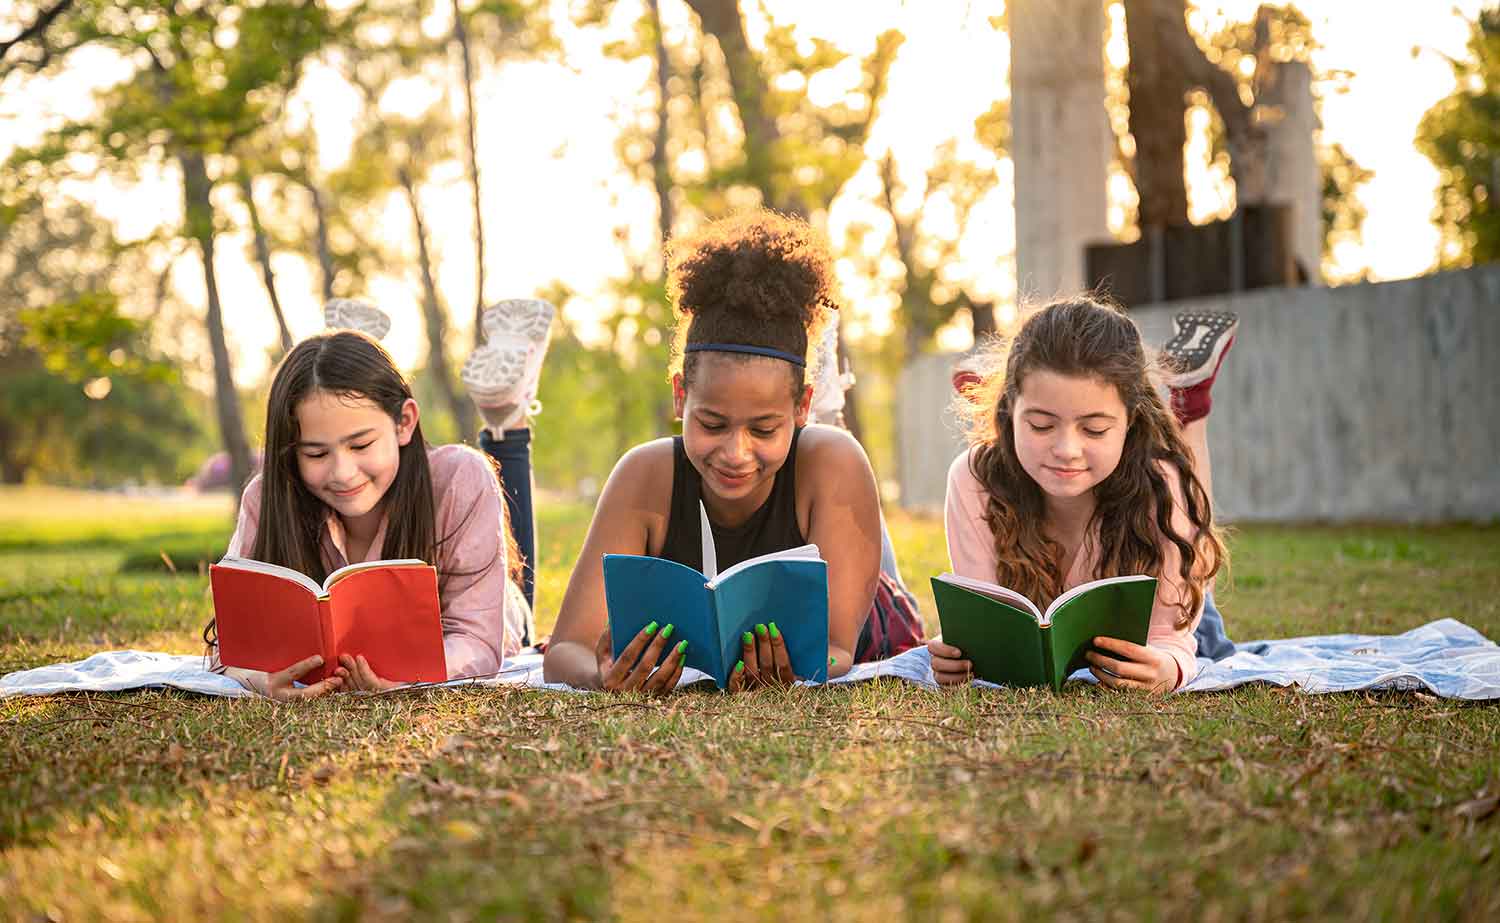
(1082, 588)
(275, 570)
(710, 553)
(348, 569)
(800, 553)
(994, 591)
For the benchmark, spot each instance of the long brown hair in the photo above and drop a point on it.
(1133, 506)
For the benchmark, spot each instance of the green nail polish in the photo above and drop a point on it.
(682, 647)
(832, 661)
(651, 629)
(748, 638)
(667, 632)
(775, 633)
(739, 667)
(760, 630)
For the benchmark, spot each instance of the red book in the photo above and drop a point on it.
(269, 617)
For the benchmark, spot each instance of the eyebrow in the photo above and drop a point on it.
(349, 438)
(763, 418)
(1047, 413)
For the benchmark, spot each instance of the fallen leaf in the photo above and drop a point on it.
(1478, 808)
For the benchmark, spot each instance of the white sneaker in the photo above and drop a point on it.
(829, 384)
(353, 314)
(502, 375)
(1197, 346)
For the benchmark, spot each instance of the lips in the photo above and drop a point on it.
(348, 493)
(1066, 473)
(733, 480)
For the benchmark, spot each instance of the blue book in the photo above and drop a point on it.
(712, 614)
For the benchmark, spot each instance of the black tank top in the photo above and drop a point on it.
(773, 527)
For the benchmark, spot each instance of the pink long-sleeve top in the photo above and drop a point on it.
(971, 553)
(478, 628)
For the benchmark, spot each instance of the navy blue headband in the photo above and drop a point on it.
(747, 350)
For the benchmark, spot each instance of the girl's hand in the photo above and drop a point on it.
(764, 660)
(359, 677)
(949, 667)
(1134, 667)
(279, 686)
(637, 667)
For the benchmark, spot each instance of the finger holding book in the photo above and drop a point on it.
(280, 684)
(949, 666)
(637, 661)
(361, 676)
(764, 661)
(1132, 666)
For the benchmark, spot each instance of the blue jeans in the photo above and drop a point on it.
(1213, 642)
(513, 452)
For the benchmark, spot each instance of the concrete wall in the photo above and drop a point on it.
(1363, 402)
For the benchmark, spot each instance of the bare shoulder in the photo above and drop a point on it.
(824, 450)
(642, 479)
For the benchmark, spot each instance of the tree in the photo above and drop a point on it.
(206, 75)
(1461, 136)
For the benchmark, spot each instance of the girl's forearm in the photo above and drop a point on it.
(572, 663)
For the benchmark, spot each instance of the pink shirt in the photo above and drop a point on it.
(971, 552)
(478, 628)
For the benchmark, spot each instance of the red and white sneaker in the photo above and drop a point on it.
(966, 378)
(1200, 341)
(502, 375)
(353, 314)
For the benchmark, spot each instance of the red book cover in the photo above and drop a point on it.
(270, 617)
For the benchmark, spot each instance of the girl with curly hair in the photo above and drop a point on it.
(752, 294)
(1079, 470)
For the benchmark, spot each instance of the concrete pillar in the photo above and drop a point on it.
(1293, 176)
(1060, 140)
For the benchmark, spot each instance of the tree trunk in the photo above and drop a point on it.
(661, 173)
(722, 20)
(263, 259)
(1157, 92)
(198, 209)
(325, 250)
(437, 320)
(471, 166)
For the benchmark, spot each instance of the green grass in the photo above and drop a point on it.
(871, 802)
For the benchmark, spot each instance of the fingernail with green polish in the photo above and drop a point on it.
(651, 629)
(739, 667)
(682, 647)
(832, 661)
(760, 630)
(775, 632)
(749, 638)
(667, 632)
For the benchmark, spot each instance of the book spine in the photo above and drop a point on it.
(716, 656)
(1049, 662)
(325, 633)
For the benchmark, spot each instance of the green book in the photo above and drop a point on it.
(1011, 641)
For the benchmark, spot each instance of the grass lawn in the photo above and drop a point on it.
(869, 802)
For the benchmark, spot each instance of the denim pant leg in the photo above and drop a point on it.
(513, 452)
(1213, 641)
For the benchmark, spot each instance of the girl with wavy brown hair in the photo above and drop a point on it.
(1079, 470)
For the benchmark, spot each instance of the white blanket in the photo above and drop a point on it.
(1446, 658)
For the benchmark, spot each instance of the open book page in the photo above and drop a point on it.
(358, 566)
(800, 553)
(274, 570)
(1083, 588)
(994, 591)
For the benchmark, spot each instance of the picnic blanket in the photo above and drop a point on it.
(1445, 658)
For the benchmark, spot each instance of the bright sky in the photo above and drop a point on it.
(554, 197)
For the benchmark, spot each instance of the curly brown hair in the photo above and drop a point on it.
(755, 279)
(1133, 506)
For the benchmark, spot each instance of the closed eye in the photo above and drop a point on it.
(361, 448)
(1096, 433)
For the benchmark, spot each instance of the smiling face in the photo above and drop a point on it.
(737, 423)
(348, 451)
(1069, 431)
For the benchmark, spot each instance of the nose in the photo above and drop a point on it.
(344, 469)
(1066, 445)
(737, 447)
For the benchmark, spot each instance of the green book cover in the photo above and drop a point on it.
(1011, 641)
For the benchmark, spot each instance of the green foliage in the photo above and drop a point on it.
(1460, 134)
(1343, 213)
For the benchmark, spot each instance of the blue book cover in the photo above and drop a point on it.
(712, 614)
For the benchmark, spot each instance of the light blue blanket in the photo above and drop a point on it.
(1446, 658)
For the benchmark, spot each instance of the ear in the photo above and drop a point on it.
(679, 395)
(799, 415)
(406, 423)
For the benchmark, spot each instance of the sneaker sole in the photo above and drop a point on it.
(1198, 345)
(530, 318)
(493, 372)
(350, 314)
